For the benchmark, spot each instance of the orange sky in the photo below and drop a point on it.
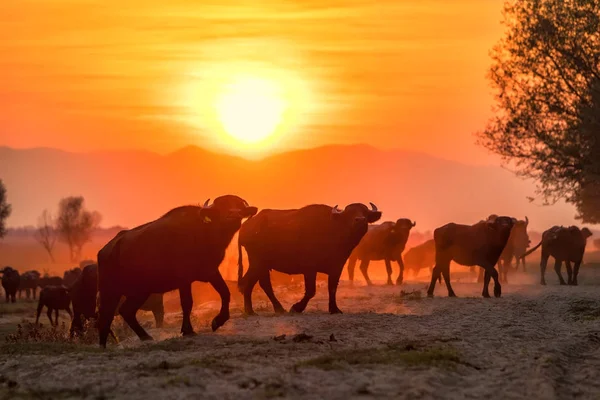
(105, 74)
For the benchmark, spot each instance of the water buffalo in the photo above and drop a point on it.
(516, 246)
(54, 298)
(470, 245)
(10, 282)
(564, 244)
(70, 276)
(315, 238)
(186, 244)
(385, 241)
(421, 256)
(84, 298)
(29, 283)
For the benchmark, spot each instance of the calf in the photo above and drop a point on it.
(385, 242)
(421, 256)
(54, 298)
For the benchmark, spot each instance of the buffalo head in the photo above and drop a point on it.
(586, 233)
(499, 228)
(228, 207)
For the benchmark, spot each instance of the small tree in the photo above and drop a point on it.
(45, 233)
(5, 210)
(75, 224)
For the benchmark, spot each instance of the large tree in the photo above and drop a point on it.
(75, 224)
(546, 73)
(5, 209)
(45, 233)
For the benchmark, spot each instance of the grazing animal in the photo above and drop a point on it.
(84, 293)
(70, 276)
(10, 282)
(470, 245)
(50, 281)
(421, 256)
(29, 283)
(385, 241)
(54, 298)
(312, 239)
(564, 244)
(186, 244)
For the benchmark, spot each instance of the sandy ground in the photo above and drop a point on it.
(534, 342)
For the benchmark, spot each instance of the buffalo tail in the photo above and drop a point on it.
(533, 249)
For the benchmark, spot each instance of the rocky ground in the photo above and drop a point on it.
(391, 342)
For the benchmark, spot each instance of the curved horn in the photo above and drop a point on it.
(526, 220)
(373, 207)
(206, 203)
(414, 223)
(246, 203)
(336, 210)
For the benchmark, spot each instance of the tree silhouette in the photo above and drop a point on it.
(546, 73)
(46, 233)
(75, 224)
(5, 209)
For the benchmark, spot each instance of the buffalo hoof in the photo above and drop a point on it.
(146, 338)
(543, 283)
(250, 313)
(390, 283)
(575, 283)
(335, 311)
(563, 283)
(297, 309)
(219, 321)
(430, 294)
(486, 295)
(399, 282)
(279, 310)
(188, 333)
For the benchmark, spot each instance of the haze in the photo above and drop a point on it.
(406, 77)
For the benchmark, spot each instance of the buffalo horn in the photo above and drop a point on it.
(373, 207)
(414, 224)
(206, 203)
(336, 210)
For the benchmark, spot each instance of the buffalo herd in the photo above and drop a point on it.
(188, 244)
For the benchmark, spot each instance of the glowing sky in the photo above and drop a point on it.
(103, 74)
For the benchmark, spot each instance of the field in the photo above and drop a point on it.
(391, 342)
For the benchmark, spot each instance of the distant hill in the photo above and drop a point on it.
(132, 187)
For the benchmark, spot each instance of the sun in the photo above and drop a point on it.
(250, 108)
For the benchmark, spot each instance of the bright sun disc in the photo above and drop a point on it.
(250, 109)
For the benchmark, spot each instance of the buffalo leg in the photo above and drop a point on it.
(250, 279)
(364, 268)
(310, 289)
(129, 310)
(14, 297)
(187, 301)
(401, 274)
(49, 314)
(351, 268)
(543, 265)
(524, 264)
(569, 272)
(446, 273)
(431, 272)
(557, 265)
(388, 269)
(220, 286)
(576, 272)
(56, 315)
(486, 284)
(332, 285)
(159, 314)
(108, 305)
(265, 283)
(34, 290)
(435, 275)
(39, 311)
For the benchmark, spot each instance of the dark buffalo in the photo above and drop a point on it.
(385, 241)
(470, 245)
(564, 244)
(186, 244)
(84, 298)
(10, 282)
(29, 283)
(516, 246)
(50, 281)
(421, 256)
(54, 298)
(70, 276)
(312, 239)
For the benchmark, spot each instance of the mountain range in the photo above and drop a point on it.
(132, 187)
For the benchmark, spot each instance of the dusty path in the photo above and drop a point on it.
(534, 342)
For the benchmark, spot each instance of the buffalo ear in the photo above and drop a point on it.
(250, 211)
(208, 214)
(373, 216)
